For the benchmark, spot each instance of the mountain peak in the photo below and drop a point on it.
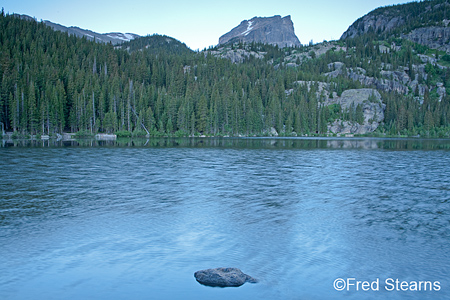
(270, 30)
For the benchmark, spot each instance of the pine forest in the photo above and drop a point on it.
(53, 83)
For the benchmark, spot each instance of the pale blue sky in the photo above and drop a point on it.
(198, 23)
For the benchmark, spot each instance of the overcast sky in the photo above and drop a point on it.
(198, 23)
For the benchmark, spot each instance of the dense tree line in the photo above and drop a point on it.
(52, 82)
(156, 43)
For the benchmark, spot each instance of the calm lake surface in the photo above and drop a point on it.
(136, 219)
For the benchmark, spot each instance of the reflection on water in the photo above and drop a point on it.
(281, 143)
(134, 219)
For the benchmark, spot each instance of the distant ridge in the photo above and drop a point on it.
(112, 37)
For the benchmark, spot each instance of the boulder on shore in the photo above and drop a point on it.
(223, 277)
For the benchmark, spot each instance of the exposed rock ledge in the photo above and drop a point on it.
(223, 277)
(373, 110)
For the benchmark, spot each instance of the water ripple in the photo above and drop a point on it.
(80, 220)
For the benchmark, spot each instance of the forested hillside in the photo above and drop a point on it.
(52, 82)
(400, 19)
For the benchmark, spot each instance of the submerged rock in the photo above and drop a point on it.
(223, 277)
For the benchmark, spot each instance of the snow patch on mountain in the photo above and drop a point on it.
(249, 28)
(126, 37)
(129, 36)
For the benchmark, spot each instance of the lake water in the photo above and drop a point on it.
(136, 219)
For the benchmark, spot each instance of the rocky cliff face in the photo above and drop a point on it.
(368, 99)
(390, 80)
(433, 37)
(373, 110)
(273, 30)
(372, 22)
(423, 22)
